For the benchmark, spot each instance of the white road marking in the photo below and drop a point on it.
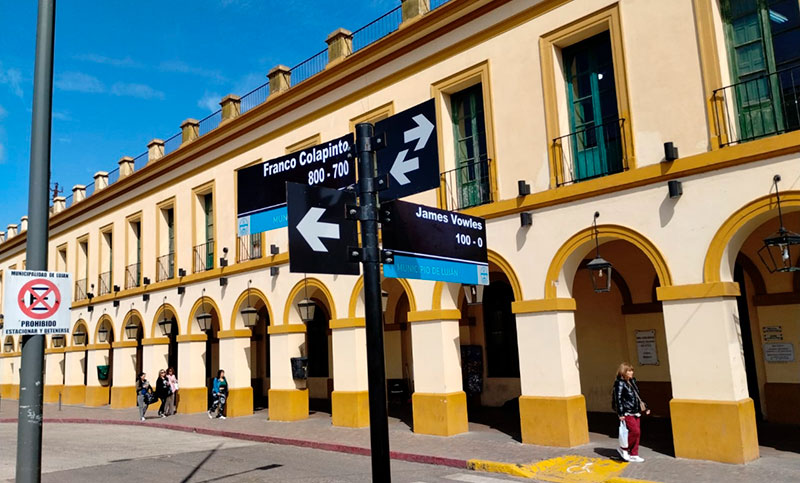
(474, 478)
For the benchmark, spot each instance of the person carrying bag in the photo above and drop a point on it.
(629, 406)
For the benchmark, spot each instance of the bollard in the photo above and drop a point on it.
(59, 401)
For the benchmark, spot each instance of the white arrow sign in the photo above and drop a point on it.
(402, 166)
(421, 133)
(312, 229)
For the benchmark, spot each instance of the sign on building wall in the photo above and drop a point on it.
(779, 352)
(261, 188)
(37, 303)
(772, 332)
(646, 347)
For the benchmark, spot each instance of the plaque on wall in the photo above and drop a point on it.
(646, 347)
(779, 352)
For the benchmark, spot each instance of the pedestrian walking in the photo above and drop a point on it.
(162, 391)
(219, 394)
(143, 392)
(628, 404)
(171, 399)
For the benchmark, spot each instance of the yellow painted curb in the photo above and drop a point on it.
(564, 469)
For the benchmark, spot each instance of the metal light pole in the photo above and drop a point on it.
(29, 427)
(376, 372)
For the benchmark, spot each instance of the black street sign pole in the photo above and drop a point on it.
(29, 427)
(368, 201)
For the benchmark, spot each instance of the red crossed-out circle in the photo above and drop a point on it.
(39, 299)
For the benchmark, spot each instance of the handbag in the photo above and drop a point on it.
(642, 405)
(623, 435)
(150, 398)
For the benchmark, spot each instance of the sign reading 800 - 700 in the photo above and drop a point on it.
(261, 199)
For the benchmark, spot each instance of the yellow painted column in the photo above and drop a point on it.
(288, 399)
(552, 409)
(74, 366)
(123, 389)
(234, 355)
(350, 399)
(192, 393)
(439, 402)
(97, 391)
(713, 417)
(53, 374)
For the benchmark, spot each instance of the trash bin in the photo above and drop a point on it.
(102, 373)
(299, 367)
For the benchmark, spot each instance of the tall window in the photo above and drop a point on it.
(208, 210)
(104, 279)
(764, 51)
(133, 269)
(595, 139)
(170, 220)
(61, 259)
(165, 264)
(82, 275)
(472, 163)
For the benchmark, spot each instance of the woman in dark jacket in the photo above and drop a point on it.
(629, 407)
(163, 391)
(142, 388)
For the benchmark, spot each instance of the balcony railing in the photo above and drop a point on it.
(203, 257)
(468, 185)
(249, 247)
(81, 289)
(593, 152)
(104, 283)
(133, 275)
(755, 108)
(165, 265)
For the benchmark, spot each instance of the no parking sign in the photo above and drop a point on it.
(37, 303)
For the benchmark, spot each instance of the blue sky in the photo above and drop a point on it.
(127, 72)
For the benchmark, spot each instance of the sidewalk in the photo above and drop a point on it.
(481, 443)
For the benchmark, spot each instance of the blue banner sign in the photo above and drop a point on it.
(261, 188)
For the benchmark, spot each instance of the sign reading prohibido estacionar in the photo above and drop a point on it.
(37, 303)
(433, 244)
(261, 199)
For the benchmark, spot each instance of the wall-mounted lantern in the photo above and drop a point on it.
(249, 313)
(204, 317)
(599, 268)
(780, 249)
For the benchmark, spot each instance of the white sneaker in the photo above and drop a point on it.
(624, 454)
(163, 415)
(222, 417)
(210, 415)
(637, 459)
(142, 418)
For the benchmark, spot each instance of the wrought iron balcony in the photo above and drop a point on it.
(81, 289)
(249, 247)
(133, 275)
(104, 283)
(593, 152)
(468, 185)
(165, 265)
(203, 257)
(759, 107)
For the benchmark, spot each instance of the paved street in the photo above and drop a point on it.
(88, 452)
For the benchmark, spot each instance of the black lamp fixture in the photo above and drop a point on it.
(131, 330)
(102, 334)
(181, 272)
(780, 248)
(58, 341)
(181, 290)
(79, 337)
(474, 294)
(116, 288)
(2, 323)
(249, 313)
(115, 303)
(165, 324)
(274, 250)
(599, 268)
(223, 281)
(204, 317)
(90, 295)
(670, 152)
(274, 271)
(523, 188)
(145, 297)
(9, 346)
(525, 219)
(306, 307)
(223, 260)
(384, 300)
(146, 280)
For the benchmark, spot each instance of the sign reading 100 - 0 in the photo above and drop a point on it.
(261, 199)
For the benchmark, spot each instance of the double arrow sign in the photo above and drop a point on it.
(319, 234)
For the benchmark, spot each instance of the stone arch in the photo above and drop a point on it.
(315, 288)
(131, 314)
(161, 309)
(78, 323)
(252, 293)
(453, 290)
(102, 320)
(356, 305)
(199, 303)
(564, 265)
(729, 238)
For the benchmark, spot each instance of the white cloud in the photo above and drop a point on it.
(209, 101)
(62, 116)
(79, 82)
(184, 68)
(141, 91)
(102, 59)
(12, 78)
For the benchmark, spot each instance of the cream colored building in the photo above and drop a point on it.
(576, 98)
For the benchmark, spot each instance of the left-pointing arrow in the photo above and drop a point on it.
(312, 229)
(421, 133)
(402, 166)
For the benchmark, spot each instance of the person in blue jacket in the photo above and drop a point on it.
(142, 389)
(219, 393)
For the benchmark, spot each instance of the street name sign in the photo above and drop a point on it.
(411, 155)
(319, 232)
(433, 244)
(261, 188)
(37, 303)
